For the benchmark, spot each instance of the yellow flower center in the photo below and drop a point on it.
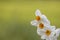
(48, 32)
(38, 18)
(41, 25)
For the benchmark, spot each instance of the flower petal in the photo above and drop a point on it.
(43, 37)
(40, 32)
(54, 38)
(34, 23)
(57, 32)
(38, 13)
(52, 34)
(45, 20)
(47, 39)
(53, 27)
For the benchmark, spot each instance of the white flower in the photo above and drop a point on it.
(57, 32)
(49, 33)
(41, 29)
(40, 18)
(44, 29)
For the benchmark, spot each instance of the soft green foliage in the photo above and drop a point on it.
(15, 18)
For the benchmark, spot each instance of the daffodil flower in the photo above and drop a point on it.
(41, 28)
(39, 18)
(57, 32)
(44, 29)
(50, 34)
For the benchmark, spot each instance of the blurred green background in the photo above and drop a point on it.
(15, 18)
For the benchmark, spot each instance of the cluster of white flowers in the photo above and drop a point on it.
(44, 28)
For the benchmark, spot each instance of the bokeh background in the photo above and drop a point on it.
(16, 15)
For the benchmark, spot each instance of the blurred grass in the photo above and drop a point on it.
(15, 18)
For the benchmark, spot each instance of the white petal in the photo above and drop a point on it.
(34, 23)
(43, 37)
(52, 34)
(40, 32)
(45, 20)
(54, 38)
(47, 39)
(50, 38)
(53, 27)
(38, 13)
(47, 27)
(57, 32)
